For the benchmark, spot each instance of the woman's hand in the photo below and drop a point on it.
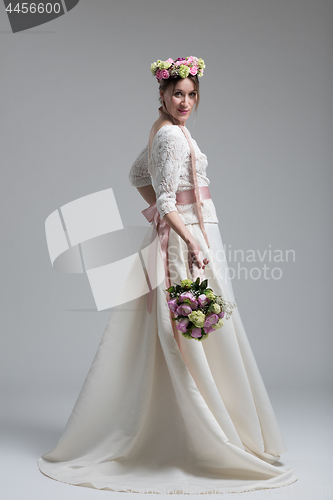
(195, 255)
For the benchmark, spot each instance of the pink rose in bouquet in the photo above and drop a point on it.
(208, 329)
(203, 300)
(196, 333)
(211, 319)
(189, 298)
(182, 324)
(183, 310)
(173, 304)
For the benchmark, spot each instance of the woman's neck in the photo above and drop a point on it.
(165, 115)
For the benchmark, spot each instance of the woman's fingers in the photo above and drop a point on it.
(195, 256)
(198, 260)
(193, 260)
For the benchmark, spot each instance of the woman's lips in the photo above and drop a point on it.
(183, 111)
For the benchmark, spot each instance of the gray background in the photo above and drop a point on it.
(77, 103)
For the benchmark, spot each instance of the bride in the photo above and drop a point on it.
(158, 412)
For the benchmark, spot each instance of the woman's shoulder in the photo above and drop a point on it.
(162, 135)
(166, 132)
(164, 128)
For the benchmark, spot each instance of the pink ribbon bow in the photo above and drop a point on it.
(162, 229)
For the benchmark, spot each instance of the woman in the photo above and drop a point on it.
(159, 412)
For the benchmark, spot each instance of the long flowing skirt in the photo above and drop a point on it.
(164, 414)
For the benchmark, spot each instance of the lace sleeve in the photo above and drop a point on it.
(164, 168)
(138, 175)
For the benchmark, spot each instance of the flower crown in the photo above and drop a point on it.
(183, 67)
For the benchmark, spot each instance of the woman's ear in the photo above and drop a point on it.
(162, 100)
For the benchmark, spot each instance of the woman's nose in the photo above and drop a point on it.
(184, 101)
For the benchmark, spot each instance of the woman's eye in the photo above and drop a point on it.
(192, 94)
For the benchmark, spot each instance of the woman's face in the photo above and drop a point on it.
(181, 100)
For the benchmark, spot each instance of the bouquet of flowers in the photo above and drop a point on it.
(198, 310)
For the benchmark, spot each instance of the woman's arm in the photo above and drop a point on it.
(148, 193)
(175, 222)
(165, 174)
(172, 218)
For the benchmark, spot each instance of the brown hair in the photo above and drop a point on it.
(171, 82)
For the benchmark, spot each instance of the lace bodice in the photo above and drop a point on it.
(169, 171)
(139, 175)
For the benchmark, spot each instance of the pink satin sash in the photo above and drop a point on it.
(188, 196)
(162, 228)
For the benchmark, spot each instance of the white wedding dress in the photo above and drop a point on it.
(162, 414)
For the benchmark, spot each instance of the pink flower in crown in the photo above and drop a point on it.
(170, 60)
(179, 63)
(196, 333)
(158, 74)
(193, 70)
(165, 74)
(189, 60)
